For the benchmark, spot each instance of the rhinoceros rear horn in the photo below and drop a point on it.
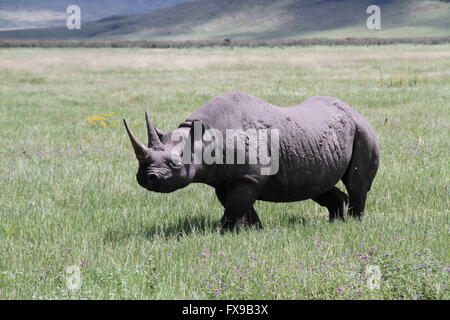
(153, 137)
(140, 150)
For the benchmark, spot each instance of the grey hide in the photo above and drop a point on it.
(321, 141)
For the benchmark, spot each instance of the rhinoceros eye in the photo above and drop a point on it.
(176, 161)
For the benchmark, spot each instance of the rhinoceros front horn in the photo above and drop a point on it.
(141, 150)
(153, 138)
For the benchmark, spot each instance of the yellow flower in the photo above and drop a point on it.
(102, 121)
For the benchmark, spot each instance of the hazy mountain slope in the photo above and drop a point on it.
(47, 13)
(265, 19)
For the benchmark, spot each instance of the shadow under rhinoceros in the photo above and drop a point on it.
(206, 224)
(178, 228)
(183, 227)
(189, 225)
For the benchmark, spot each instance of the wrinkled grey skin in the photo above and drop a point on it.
(322, 141)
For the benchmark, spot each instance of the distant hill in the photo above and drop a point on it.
(263, 19)
(20, 14)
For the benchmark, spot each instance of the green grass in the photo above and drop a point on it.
(69, 195)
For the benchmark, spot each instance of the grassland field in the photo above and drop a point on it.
(69, 194)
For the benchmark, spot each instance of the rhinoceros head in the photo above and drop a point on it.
(160, 168)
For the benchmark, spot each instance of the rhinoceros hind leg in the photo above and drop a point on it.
(335, 201)
(357, 204)
(360, 173)
(357, 181)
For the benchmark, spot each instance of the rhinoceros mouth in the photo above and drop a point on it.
(147, 180)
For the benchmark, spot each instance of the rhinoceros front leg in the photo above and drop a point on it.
(251, 219)
(238, 202)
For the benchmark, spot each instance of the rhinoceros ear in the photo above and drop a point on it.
(194, 142)
(197, 130)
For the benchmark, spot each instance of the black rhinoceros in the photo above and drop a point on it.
(318, 143)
